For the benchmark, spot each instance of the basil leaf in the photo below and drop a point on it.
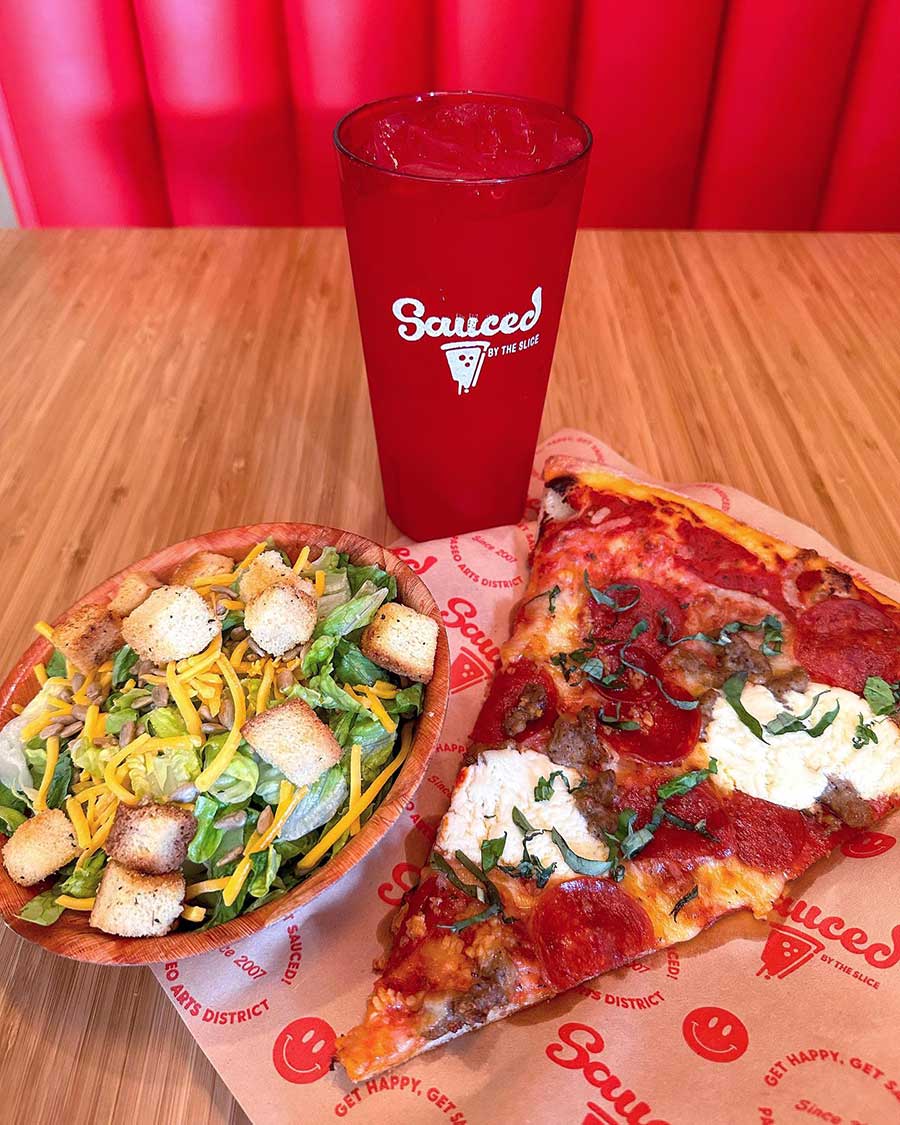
(681, 704)
(676, 786)
(603, 597)
(520, 820)
(437, 861)
(491, 850)
(593, 668)
(543, 791)
(56, 665)
(530, 867)
(679, 822)
(732, 689)
(880, 695)
(580, 864)
(551, 595)
(825, 722)
(615, 721)
(683, 901)
(124, 660)
(770, 626)
(773, 636)
(864, 733)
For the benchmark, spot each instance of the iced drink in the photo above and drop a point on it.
(461, 211)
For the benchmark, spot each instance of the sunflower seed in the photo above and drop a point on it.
(126, 734)
(212, 728)
(50, 730)
(265, 820)
(229, 856)
(77, 681)
(204, 712)
(185, 793)
(160, 695)
(71, 728)
(238, 633)
(284, 679)
(233, 820)
(226, 712)
(79, 711)
(143, 703)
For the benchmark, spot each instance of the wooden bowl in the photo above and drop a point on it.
(71, 936)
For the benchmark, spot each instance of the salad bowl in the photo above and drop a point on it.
(71, 936)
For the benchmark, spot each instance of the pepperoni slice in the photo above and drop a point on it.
(682, 846)
(666, 733)
(584, 927)
(504, 696)
(775, 839)
(722, 562)
(842, 641)
(650, 600)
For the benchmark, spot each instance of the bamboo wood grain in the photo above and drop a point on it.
(156, 384)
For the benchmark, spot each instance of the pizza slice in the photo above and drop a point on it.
(688, 713)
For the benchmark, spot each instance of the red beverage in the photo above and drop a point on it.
(461, 212)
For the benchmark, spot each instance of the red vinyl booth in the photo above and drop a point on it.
(709, 113)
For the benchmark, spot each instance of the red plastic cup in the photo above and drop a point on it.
(461, 211)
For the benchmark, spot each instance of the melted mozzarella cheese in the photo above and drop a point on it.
(497, 782)
(794, 769)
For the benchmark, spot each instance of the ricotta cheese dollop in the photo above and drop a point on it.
(793, 769)
(497, 782)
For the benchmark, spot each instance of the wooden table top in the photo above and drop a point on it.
(156, 384)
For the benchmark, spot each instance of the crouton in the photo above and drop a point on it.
(152, 839)
(174, 622)
(38, 847)
(293, 739)
(281, 617)
(269, 569)
(89, 635)
(133, 905)
(402, 640)
(202, 565)
(133, 591)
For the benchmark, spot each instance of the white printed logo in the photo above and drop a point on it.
(466, 356)
(465, 362)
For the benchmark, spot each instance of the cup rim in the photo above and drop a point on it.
(522, 99)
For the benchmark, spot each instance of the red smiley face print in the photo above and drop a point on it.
(303, 1051)
(715, 1034)
(867, 845)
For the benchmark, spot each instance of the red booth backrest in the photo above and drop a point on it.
(708, 113)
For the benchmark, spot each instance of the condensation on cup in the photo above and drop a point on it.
(461, 211)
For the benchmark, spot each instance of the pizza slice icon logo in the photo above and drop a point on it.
(786, 950)
(467, 669)
(465, 362)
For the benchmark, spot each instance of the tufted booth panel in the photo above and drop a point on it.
(708, 113)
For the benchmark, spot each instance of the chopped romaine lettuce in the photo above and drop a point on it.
(326, 795)
(318, 655)
(165, 722)
(10, 819)
(265, 868)
(351, 667)
(269, 781)
(354, 614)
(207, 837)
(239, 780)
(157, 776)
(358, 575)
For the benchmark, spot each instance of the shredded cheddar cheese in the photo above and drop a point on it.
(301, 561)
(320, 583)
(40, 802)
(40, 674)
(371, 700)
(75, 903)
(251, 555)
(183, 701)
(221, 761)
(355, 781)
(265, 687)
(353, 813)
(193, 890)
(44, 629)
(194, 913)
(79, 822)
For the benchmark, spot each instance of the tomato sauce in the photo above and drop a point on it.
(720, 561)
(440, 903)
